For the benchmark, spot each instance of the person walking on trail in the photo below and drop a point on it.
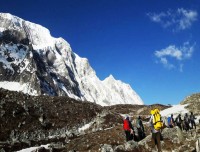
(186, 122)
(128, 129)
(156, 124)
(170, 120)
(192, 120)
(140, 128)
(179, 121)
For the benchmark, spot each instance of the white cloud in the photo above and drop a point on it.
(170, 51)
(166, 64)
(175, 54)
(187, 17)
(157, 17)
(180, 19)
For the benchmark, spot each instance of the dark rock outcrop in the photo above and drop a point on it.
(42, 119)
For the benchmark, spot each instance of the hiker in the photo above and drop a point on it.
(192, 120)
(156, 125)
(165, 122)
(128, 129)
(140, 128)
(170, 120)
(186, 122)
(179, 121)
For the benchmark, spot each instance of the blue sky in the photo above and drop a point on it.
(151, 44)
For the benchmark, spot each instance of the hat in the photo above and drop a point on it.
(126, 117)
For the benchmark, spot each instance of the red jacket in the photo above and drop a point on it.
(126, 125)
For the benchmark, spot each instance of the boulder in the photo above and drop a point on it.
(107, 148)
(130, 145)
(173, 134)
(198, 145)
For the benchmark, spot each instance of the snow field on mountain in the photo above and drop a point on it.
(178, 109)
(16, 86)
(57, 69)
(13, 53)
(175, 110)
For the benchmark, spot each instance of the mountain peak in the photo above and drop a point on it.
(38, 35)
(38, 63)
(6, 15)
(110, 77)
(9, 16)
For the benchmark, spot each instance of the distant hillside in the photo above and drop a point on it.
(194, 103)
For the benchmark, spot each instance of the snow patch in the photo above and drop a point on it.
(16, 56)
(197, 120)
(108, 128)
(178, 109)
(34, 148)
(16, 86)
(86, 126)
(2, 29)
(175, 110)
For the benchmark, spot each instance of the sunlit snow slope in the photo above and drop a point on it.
(34, 62)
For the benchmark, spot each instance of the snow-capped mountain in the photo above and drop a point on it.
(34, 62)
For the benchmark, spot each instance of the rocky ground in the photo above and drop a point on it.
(69, 125)
(193, 102)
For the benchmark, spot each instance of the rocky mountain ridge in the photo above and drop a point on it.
(193, 102)
(34, 62)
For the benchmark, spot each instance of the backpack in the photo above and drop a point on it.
(192, 117)
(187, 120)
(126, 125)
(157, 122)
(138, 123)
(178, 120)
(169, 120)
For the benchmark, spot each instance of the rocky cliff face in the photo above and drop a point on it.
(34, 62)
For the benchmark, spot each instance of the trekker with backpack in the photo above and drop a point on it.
(170, 120)
(192, 120)
(186, 122)
(156, 125)
(179, 121)
(140, 128)
(128, 129)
